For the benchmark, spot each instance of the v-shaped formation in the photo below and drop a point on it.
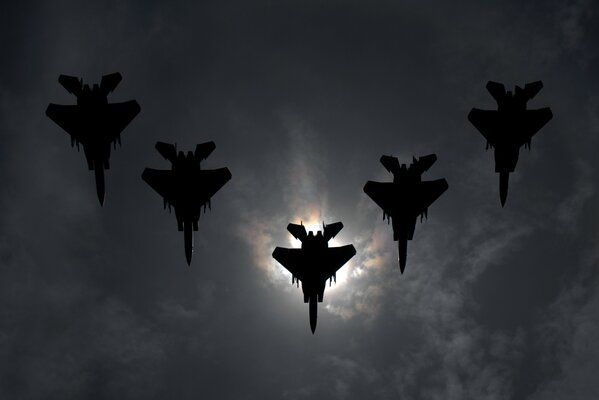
(97, 124)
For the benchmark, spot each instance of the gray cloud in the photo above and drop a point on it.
(301, 99)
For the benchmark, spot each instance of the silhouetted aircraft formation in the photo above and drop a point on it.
(315, 263)
(94, 122)
(509, 127)
(406, 198)
(186, 186)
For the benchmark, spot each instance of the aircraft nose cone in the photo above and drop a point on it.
(503, 186)
(313, 313)
(100, 187)
(402, 245)
(188, 234)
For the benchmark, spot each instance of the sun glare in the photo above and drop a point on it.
(314, 224)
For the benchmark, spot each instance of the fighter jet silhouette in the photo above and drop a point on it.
(94, 122)
(186, 187)
(509, 127)
(406, 198)
(314, 263)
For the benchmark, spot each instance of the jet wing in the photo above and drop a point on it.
(211, 181)
(291, 259)
(118, 116)
(68, 118)
(487, 122)
(429, 192)
(336, 258)
(78, 122)
(534, 120)
(161, 181)
(381, 193)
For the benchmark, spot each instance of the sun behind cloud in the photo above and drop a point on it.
(314, 222)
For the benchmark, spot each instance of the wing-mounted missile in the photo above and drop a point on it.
(497, 90)
(167, 150)
(117, 140)
(331, 230)
(110, 82)
(423, 163)
(424, 215)
(207, 204)
(333, 278)
(72, 84)
(390, 163)
(297, 231)
(203, 150)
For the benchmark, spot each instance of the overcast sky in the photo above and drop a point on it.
(301, 98)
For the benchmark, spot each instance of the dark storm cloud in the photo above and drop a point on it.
(301, 99)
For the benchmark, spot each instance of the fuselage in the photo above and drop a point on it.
(187, 199)
(314, 250)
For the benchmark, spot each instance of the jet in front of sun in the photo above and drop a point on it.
(314, 263)
(509, 127)
(406, 198)
(93, 122)
(186, 187)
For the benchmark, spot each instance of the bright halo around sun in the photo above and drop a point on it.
(314, 223)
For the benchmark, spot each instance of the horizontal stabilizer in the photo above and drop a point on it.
(110, 82)
(532, 89)
(331, 230)
(167, 150)
(71, 84)
(390, 163)
(297, 231)
(496, 89)
(424, 163)
(203, 150)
